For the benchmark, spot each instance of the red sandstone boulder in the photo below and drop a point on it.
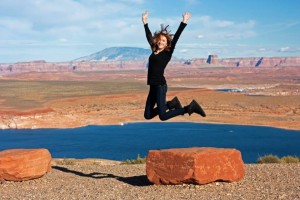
(24, 164)
(194, 165)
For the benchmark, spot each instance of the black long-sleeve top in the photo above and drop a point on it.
(158, 62)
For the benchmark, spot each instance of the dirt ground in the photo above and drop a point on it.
(102, 180)
(266, 97)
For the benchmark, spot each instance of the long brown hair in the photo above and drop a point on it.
(156, 37)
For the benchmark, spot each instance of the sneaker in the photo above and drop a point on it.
(194, 107)
(174, 103)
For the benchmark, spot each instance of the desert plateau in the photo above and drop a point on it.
(101, 93)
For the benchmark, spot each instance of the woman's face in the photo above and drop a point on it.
(162, 42)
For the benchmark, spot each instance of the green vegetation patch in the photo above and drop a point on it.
(138, 160)
(275, 159)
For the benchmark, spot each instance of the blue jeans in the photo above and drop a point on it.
(157, 95)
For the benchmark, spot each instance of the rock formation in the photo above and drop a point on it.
(81, 66)
(249, 62)
(86, 66)
(194, 165)
(212, 59)
(24, 164)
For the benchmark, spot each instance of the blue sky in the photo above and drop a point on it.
(63, 30)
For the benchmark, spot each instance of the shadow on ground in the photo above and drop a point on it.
(134, 180)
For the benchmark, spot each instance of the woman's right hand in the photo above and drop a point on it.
(145, 17)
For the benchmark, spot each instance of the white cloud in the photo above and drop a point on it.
(209, 22)
(134, 1)
(216, 29)
(63, 18)
(289, 49)
(284, 49)
(63, 40)
(262, 49)
(15, 24)
(183, 50)
(74, 27)
(223, 23)
(192, 2)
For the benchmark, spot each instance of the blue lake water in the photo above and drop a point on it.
(126, 142)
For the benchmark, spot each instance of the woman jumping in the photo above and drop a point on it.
(163, 44)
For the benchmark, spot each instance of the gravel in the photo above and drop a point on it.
(115, 181)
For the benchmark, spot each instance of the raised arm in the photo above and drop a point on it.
(185, 18)
(147, 30)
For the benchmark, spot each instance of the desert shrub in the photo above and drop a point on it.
(138, 160)
(290, 159)
(268, 159)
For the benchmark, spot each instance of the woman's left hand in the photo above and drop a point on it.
(145, 17)
(186, 16)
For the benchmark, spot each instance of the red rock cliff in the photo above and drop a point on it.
(250, 62)
(213, 60)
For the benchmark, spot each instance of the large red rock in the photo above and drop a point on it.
(194, 165)
(24, 164)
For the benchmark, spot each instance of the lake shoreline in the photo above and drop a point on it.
(121, 142)
(154, 121)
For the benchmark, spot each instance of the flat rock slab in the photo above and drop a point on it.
(24, 164)
(194, 165)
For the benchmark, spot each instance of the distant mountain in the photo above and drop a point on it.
(118, 53)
